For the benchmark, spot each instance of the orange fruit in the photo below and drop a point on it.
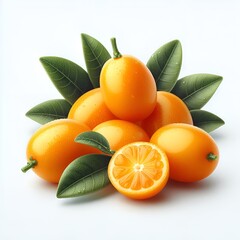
(169, 109)
(128, 87)
(90, 109)
(51, 148)
(120, 132)
(139, 170)
(192, 153)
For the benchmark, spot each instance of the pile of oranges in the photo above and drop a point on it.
(150, 131)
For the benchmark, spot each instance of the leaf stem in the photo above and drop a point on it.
(112, 152)
(116, 53)
(211, 157)
(30, 164)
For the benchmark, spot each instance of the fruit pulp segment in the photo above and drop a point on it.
(138, 167)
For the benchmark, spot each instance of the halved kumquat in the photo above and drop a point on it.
(139, 170)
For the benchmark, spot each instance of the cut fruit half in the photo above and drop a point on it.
(139, 170)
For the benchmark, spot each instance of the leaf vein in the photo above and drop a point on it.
(81, 179)
(199, 89)
(67, 77)
(167, 62)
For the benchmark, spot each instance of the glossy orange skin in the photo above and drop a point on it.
(53, 147)
(120, 132)
(90, 109)
(128, 88)
(187, 148)
(169, 109)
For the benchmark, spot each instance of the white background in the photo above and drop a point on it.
(210, 35)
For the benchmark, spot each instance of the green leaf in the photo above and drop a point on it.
(70, 79)
(206, 120)
(95, 55)
(49, 110)
(197, 89)
(84, 175)
(96, 140)
(165, 65)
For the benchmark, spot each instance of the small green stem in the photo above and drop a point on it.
(211, 157)
(30, 164)
(116, 53)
